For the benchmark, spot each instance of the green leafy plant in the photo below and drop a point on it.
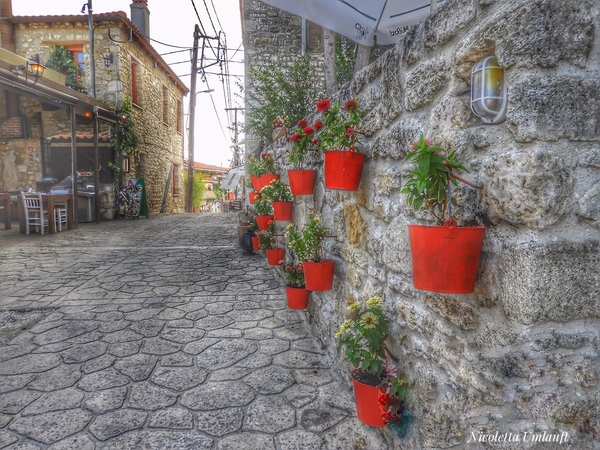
(340, 128)
(267, 238)
(268, 163)
(293, 274)
(61, 60)
(128, 140)
(198, 188)
(275, 88)
(263, 207)
(307, 242)
(426, 185)
(220, 193)
(303, 141)
(254, 167)
(277, 192)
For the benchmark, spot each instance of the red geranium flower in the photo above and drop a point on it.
(303, 123)
(315, 141)
(351, 105)
(318, 125)
(323, 105)
(295, 137)
(309, 131)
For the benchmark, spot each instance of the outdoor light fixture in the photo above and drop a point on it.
(34, 66)
(488, 91)
(108, 59)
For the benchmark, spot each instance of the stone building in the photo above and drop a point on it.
(518, 357)
(126, 66)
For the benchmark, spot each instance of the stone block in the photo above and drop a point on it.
(531, 189)
(550, 281)
(587, 195)
(396, 142)
(425, 82)
(444, 23)
(552, 108)
(396, 251)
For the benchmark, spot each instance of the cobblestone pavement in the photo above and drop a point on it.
(160, 334)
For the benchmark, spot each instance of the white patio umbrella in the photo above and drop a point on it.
(360, 20)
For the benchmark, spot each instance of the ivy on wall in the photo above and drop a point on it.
(62, 61)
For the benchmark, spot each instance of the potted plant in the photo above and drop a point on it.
(255, 234)
(307, 246)
(378, 390)
(281, 200)
(252, 194)
(280, 126)
(268, 165)
(295, 285)
(302, 182)
(268, 243)
(255, 169)
(338, 139)
(445, 257)
(264, 211)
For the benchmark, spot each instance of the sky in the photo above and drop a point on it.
(172, 22)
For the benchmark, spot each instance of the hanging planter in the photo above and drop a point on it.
(267, 178)
(297, 297)
(302, 182)
(274, 256)
(445, 258)
(256, 182)
(366, 398)
(263, 221)
(343, 169)
(282, 211)
(255, 243)
(253, 196)
(319, 275)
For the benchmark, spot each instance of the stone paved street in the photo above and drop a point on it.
(160, 334)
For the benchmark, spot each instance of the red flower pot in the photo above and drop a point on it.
(263, 221)
(253, 196)
(319, 275)
(367, 403)
(297, 298)
(267, 178)
(282, 210)
(343, 169)
(275, 255)
(256, 182)
(255, 243)
(302, 182)
(445, 259)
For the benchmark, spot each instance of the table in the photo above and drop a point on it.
(6, 203)
(49, 201)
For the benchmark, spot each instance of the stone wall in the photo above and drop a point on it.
(160, 142)
(520, 354)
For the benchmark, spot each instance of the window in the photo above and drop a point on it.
(176, 179)
(179, 116)
(165, 108)
(79, 58)
(312, 37)
(135, 82)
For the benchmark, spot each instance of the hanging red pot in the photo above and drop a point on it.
(302, 182)
(275, 256)
(256, 182)
(366, 398)
(297, 298)
(267, 178)
(255, 243)
(282, 210)
(319, 275)
(263, 221)
(445, 259)
(343, 169)
(253, 196)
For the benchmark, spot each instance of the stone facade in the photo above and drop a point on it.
(520, 354)
(157, 113)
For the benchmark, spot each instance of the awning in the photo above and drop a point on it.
(209, 195)
(233, 178)
(360, 20)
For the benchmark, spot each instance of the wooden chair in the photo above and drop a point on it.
(33, 211)
(60, 215)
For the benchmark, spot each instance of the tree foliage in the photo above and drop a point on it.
(62, 61)
(198, 188)
(278, 89)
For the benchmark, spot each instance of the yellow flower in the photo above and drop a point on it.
(345, 326)
(354, 307)
(369, 320)
(374, 302)
(291, 225)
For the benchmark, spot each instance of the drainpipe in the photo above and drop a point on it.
(92, 59)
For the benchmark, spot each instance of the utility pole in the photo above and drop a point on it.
(189, 200)
(236, 156)
(92, 60)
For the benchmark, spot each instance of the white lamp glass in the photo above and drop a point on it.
(488, 91)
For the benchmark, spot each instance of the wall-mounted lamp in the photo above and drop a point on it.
(34, 66)
(488, 91)
(108, 59)
(122, 115)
